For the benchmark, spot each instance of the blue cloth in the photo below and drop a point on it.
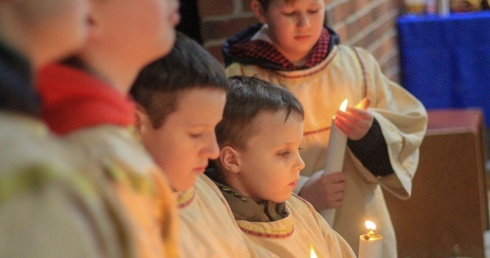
(445, 61)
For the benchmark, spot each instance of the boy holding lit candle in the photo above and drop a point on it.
(292, 48)
(48, 206)
(85, 100)
(259, 166)
(180, 100)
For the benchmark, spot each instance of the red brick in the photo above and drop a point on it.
(208, 8)
(358, 5)
(222, 29)
(342, 32)
(216, 52)
(391, 69)
(340, 12)
(247, 5)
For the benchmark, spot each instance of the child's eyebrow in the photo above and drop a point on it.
(287, 144)
(194, 124)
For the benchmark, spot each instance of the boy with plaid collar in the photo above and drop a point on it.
(292, 48)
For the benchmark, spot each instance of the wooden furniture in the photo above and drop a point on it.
(448, 208)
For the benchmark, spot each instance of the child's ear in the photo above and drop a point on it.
(259, 11)
(141, 119)
(229, 158)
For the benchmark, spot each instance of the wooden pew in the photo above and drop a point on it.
(448, 210)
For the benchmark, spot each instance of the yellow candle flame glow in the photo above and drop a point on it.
(343, 106)
(312, 253)
(370, 225)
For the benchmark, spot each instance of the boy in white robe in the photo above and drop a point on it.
(49, 207)
(180, 100)
(85, 99)
(292, 48)
(259, 166)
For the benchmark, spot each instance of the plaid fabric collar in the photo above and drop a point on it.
(263, 50)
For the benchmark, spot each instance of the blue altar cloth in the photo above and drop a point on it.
(445, 61)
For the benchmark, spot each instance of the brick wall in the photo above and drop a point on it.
(366, 23)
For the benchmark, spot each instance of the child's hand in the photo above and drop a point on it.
(355, 121)
(324, 192)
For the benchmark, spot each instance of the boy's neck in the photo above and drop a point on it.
(248, 209)
(119, 75)
(298, 63)
(116, 78)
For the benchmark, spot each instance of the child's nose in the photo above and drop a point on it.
(212, 148)
(300, 164)
(304, 21)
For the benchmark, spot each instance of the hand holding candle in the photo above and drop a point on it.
(370, 244)
(335, 157)
(360, 122)
(356, 121)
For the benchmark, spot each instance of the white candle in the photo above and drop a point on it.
(335, 157)
(336, 146)
(371, 243)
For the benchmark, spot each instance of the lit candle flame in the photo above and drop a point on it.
(343, 106)
(312, 253)
(370, 225)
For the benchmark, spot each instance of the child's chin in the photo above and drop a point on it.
(182, 187)
(282, 198)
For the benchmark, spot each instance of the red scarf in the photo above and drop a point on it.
(73, 99)
(260, 49)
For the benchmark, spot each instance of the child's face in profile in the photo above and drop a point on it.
(186, 140)
(270, 163)
(140, 31)
(294, 27)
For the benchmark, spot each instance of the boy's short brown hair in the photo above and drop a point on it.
(247, 98)
(265, 3)
(188, 66)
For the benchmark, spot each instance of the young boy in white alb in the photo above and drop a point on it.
(259, 166)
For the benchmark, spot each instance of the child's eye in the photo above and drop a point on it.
(314, 11)
(284, 153)
(195, 135)
(289, 13)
